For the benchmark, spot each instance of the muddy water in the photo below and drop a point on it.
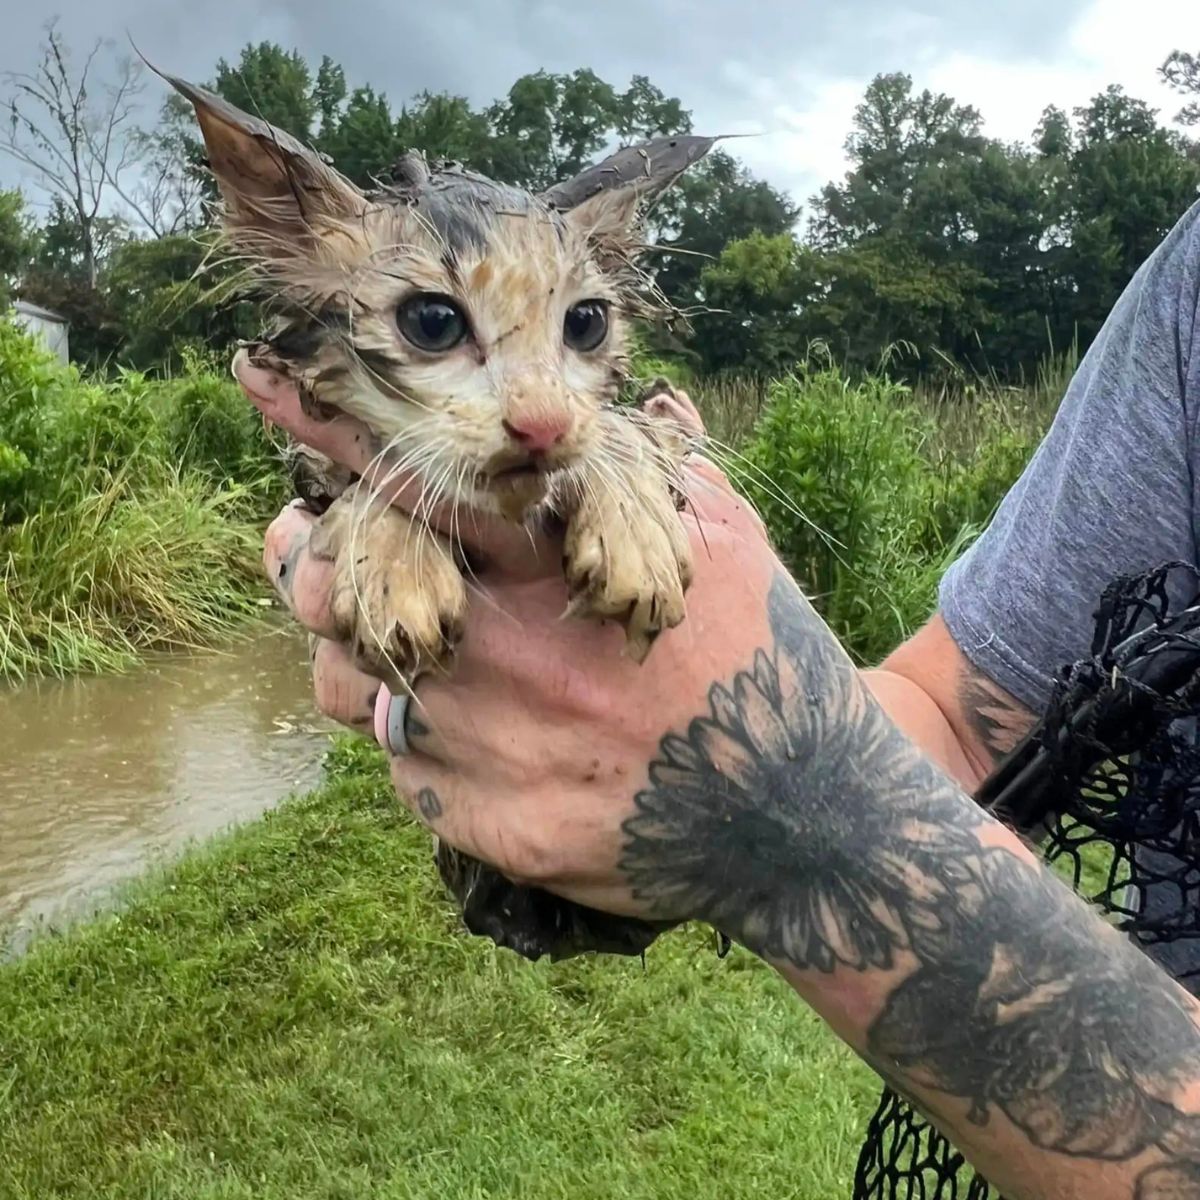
(100, 776)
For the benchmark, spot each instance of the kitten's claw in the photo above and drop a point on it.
(632, 568)
(398, 599)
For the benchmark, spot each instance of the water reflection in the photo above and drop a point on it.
(99, 775)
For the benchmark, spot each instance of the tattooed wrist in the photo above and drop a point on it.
(794, 817)
(757, 818)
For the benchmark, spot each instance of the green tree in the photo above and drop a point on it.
(67, 275)
(719, 201)
(904, 238)
(277, 85)
(446, 127)
(980, 253)
(363, 140)
(171, 295)
(900, 141)
(759, 287)
(329, 93)
(1182, 72)
(549, 127)
(1124, 180)
(18, 241)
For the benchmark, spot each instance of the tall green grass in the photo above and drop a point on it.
(870, 488)
(130, 512)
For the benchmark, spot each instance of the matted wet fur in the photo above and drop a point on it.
(479, 331)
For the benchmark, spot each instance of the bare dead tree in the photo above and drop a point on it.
(76, 132)
(164, 192)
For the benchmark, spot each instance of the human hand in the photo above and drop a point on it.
(529, 756)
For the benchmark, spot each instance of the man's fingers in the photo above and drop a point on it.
(342, 692)
(342, 438)
(429, 722)
(455, 809)
(304, 583)
(678, 407)
(436, 797)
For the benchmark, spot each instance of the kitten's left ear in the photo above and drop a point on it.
(606, 199)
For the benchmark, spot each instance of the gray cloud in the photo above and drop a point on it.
(729, 65)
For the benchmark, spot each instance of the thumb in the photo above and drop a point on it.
(513, 549)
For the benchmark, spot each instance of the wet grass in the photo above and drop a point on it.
(292, 1011)
(131, 513)
(157, 564)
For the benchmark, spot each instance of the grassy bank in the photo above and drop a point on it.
(130, 513)
(292, 1012)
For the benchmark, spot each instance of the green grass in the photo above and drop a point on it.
(131, 513)
(161, 563)
(292, 1011)
(869, 488)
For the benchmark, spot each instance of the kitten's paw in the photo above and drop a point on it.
(398, 599)
(632, 567)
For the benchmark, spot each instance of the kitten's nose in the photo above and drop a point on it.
(540, 433)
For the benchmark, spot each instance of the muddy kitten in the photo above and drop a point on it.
(479, 331)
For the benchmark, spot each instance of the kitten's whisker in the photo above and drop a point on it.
(430, 497)
(726, 455)
(473, 582)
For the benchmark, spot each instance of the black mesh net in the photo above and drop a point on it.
(1108, 784)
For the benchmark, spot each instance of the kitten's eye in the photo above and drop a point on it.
(433, 323)
(586, 325)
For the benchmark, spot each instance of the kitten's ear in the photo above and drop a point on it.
(607, 198)
(272, 184)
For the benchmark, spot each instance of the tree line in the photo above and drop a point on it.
(966, 252)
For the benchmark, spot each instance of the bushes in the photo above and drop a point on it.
(211, 428)
(129, 512)
(870, 491)
(130, 509)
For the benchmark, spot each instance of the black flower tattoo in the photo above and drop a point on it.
(793, 816)
(738, 828)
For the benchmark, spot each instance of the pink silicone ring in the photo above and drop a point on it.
(383, 702)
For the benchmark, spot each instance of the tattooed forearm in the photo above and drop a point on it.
(794, 817)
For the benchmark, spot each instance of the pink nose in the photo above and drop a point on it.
(538, 434)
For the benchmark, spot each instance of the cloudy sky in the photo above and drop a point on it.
(789, 70)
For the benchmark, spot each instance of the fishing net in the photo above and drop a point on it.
(1108, 785)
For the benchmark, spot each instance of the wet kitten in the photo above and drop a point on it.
(479, 331)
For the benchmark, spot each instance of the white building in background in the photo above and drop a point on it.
(42, 323)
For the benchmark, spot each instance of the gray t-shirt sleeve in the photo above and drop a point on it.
(1110, 490)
